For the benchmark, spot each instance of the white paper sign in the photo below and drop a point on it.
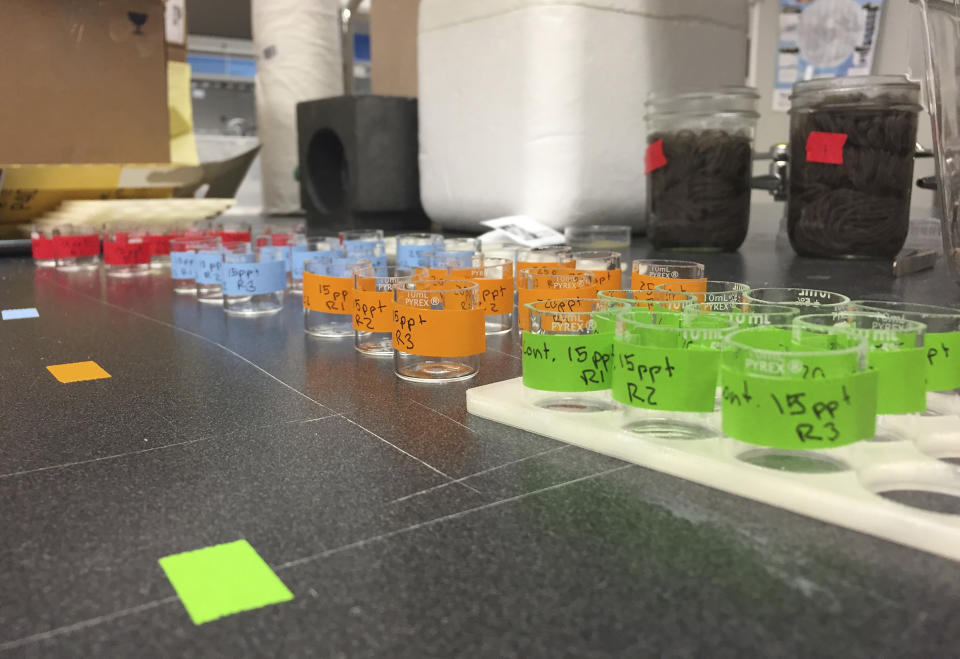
(526, 231)
(175, 16)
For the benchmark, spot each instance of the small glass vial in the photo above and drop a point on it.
(183, 261)
(852, 144)
(494, 276)
(209, 270)
(699, 166)
(465, 247)
(327, 288)
(41, 245)
(253, 284)
(373, 308)
(438, 331)
(125, 250)
(416, 249)
(76, 247)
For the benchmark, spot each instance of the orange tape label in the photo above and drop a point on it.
(528, 295)
(606, 280)
(438, 332)
(373, 311)
(327, 294)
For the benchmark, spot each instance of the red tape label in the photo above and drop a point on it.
(654, 158)
(158, 244)
(826, 148)
(74, 247)
(42, 248)
(125, 253)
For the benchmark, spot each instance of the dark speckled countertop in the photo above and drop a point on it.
(403, 526)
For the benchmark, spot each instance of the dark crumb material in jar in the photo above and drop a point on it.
(701, 198)
(862, 207)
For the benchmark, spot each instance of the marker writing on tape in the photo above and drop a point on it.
(254, 278)
(799, 414)
(943, 360)
(670, 379)
(183, 265)
(438, 332)
(209, 268)
(74, 247)
(372, 311)
(565, 362)
(127, 253)
(327, 294)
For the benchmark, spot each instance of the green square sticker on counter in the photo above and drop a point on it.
(221, 580)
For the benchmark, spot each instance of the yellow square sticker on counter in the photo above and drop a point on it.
(78, 372)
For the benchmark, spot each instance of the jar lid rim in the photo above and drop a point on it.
(852, 83)
(743, 114)
(656, 97)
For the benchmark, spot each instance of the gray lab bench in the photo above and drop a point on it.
(403, 526)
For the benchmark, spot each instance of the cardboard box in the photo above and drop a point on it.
(85, 82)
(393, 44)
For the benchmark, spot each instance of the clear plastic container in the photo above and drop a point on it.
(852, 145)
(598, 236)
(699, 165)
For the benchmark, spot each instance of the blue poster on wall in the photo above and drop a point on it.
(824, 39)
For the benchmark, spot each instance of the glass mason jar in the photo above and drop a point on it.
(699, 165)
(852, 144)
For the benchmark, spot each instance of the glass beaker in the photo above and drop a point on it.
(665, 371)
(125, 250)
(372, 301)
(605, 266)
(792, 395)
(416, 249)
(327, 292)
(895, 352)
(566, 358)
(810, 299)
(710, 291)
(253, 286)
(183, 261)
(76, 247)
(535, 284)
(208, 273)
(438, 331)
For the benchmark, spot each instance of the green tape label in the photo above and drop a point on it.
(565, 362)
(943, 360)
(221, 580)
(901, 375)
(670, 379)
(799, 414)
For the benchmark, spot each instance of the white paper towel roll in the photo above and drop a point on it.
(300, 59)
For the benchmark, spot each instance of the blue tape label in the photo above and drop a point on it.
(183, 265)
(209, 268)
(301, 257)
(19, 314)
(413, 256)
(254, 278)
